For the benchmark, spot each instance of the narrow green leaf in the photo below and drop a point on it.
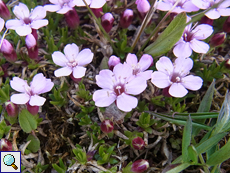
(58, 169)
(205, 106)
(192, 154)
(179, 168)
(169, 37)
(186, 139)
(27, 121)
(220, 156)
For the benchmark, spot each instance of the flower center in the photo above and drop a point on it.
(136, 69)
(188, 36)
(72, 63)
(119, 89)
(176, 78)
(28, 90)
(27, 21)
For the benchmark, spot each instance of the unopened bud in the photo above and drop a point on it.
(126, 18)
(31, 45)
(72, 18)
(90, 154)
(107, 21)
(107, 126)
(143, 7)
(140, 166)
(4, 11)
(206, 20)
(217, 39)
(76, 80)
(226, 26)
(5, 145)
(97, 12)
(227, 64)
(32, 109)
(11, 108)
(138, 143)
(8, 51)
(113, 61)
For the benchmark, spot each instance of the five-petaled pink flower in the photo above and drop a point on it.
(30, 94)
(221, 10)
(60, 6)
(140, 67)
(117, 86)
(191, 40)
(27, 21)
(174, 76)
(73, 61)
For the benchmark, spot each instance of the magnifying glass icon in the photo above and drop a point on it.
(9, 160)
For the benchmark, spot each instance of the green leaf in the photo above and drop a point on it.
(80, 156)
(186, 139)
(192, 154)
(179, 168)
(34, 144)
(4, 129)
(27, 121)
(169, 37)
(220, 156)
(58, 169)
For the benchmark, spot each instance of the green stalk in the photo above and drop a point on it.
(203, 163)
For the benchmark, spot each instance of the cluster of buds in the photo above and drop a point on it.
(5, 145)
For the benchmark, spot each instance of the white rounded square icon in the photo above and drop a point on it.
(10, 161)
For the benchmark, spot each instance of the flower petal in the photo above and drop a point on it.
(38, 13)
(80, 3)
(13, 23)
(105, 79)
(59, 58)
(84, 57)
(79, 72)
(122, 71)
(224, 12)
(131, 59)
(65, 71)
(71, 51)
(23, 30)
(48, 86)
(126, 102)
(145, 62)
(136, 86)
(21, 11)
(199, 46)
(177, 90)
(146, 75)
(64, 9)
(20, 98)
(36, 100)
(192, 82)
(104, 97)
(164, 65)
(19, 84)
(97, 4)
(182, 50)
(202, 31)
(213, 14)
(38, 83)
(182, 66)
(39, 23)
(160, 79)
(52, 8)
(2, 22)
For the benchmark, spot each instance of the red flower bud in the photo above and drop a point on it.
(72, 18)
(138, 143)
(226, 26)
(126, 18)
(11, 108)
(97, 12)
(217, 39)
(32, 109)
(107, 21)
(107, 126)
(8, 51)
(113, 61)
(4, 11)
(5, 145)
(140, 166)
(227, 63)
(31, 45)
(206, 20)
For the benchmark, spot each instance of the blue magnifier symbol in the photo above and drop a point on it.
(9, 160)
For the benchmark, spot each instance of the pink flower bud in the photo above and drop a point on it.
(113, 61)
(32, 109)
(227, 64)
(2, 23)
(35, 34)
(31, 45)
(140, 166)
(126, 18)
(226, 26)
(90, 154)
(217, 39)
(138, 143)
(143, 7)
(11, 108)
(206, 20)
(72, 18)
(4, 11)
(76, 80)
(107, 21)
(5, 145)
(8, 51)
(97, 12)
(107, 126)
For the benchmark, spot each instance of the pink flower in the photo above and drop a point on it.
(183, 5)
(2, 22)
(140, 67)
(174, 76)
(190, 40)
(91, 3)
(27, 21)
(73, 61)
(31, 93)
(60, 6)
(221, 10)
(116, 86)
